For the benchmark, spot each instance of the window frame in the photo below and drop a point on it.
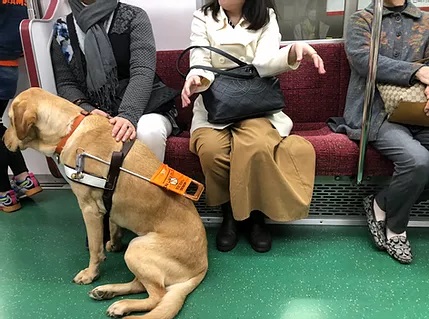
(350, 7)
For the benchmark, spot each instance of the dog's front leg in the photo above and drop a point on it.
(94, 229)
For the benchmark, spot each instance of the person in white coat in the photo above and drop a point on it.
(243, 162)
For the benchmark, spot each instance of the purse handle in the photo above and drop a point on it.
(208, 68)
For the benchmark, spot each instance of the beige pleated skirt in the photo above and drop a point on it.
(251, 165)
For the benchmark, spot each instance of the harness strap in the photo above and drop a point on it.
(112, 176)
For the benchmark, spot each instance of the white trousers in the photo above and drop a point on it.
(153, 130)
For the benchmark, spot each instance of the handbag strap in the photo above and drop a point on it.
(252, 73)
(210, 48)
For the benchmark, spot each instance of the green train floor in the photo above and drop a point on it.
(312, 272)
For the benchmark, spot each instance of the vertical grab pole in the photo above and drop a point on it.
(33, 9)
(370, 85)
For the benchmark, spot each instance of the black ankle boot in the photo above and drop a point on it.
(260, 236)
(227, 238)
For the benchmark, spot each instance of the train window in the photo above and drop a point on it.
(310, 19)
(317, 19)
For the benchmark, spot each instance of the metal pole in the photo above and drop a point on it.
(350, 7)
(33, 9)
(370, 85)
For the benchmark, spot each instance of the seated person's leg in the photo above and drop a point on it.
(153, 130)
(213, 148)
(411, 176)
(8, 200)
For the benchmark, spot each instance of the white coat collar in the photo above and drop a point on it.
(223, 20)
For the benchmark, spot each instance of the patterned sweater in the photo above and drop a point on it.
(404, 39)
(133, 45)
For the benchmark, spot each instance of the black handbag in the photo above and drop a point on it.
(238, 93)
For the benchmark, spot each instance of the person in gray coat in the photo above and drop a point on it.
(404, 40)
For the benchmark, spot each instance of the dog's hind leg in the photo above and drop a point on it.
(143, 260)
(109, 291)
(126, 306)
(115, 242)
(173, 300)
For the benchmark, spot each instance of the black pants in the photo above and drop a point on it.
(14, 160)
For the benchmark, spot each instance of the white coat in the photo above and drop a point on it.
(260, 48)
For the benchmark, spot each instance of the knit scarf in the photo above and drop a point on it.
(101, 75)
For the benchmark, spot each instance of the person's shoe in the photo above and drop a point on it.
(400, 249)
(260, 236)
(227, 238)
(9, 202)
(376, 228)
(28, 187)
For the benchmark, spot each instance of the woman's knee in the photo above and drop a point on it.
(255, 149)
(210, 153)
(414, 166)
(419, 164)
(153, 129)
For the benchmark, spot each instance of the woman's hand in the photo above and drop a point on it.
(189, 89)
(100, 112)
(122, 129)
(301, 50)
(423, 75)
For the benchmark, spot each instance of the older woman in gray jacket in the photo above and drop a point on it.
(404, 39)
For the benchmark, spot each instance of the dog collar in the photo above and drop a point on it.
(74, 126)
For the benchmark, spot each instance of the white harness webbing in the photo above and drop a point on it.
(84, 178)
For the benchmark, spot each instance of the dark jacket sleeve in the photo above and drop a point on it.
(357, 45)
(66, 83)
(142, 69)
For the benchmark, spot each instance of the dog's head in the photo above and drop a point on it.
(38, 120)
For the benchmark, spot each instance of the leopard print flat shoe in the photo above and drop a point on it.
(376, 228)
(400, 249)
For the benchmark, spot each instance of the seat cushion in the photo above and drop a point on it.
(336, 154)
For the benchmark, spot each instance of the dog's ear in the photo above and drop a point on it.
(24, 117)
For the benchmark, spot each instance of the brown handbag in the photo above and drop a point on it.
(405, 105)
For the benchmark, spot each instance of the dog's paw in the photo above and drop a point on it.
(114, 247)
(117, 309)
(99, 293)
(85, 277)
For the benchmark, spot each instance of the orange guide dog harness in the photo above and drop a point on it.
(164, 177)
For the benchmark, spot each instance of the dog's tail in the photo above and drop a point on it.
(173, 300)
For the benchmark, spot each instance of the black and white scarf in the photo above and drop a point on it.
(101, 75)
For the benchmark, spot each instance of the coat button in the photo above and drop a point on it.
(398, 34)
(242, 59)
(222, 60)
(396, 54)
(398, 18)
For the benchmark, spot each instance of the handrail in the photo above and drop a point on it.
(370, 85)
(33, 9)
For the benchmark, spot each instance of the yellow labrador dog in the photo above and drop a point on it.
(169, 256)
